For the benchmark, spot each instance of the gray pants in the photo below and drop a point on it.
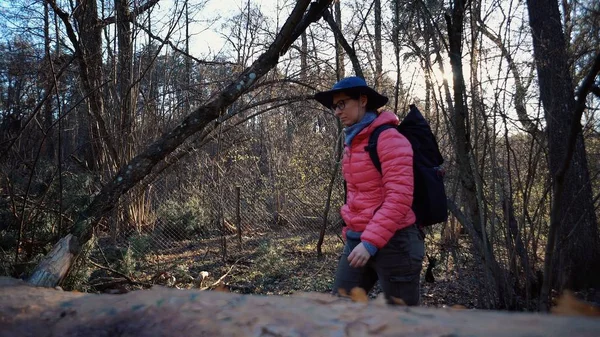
(397, 266)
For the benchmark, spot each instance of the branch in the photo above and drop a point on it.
(142, 164)
(131, 17)
(217, 282)
(340, 38)
(36, 110)
(313, 14)
(116, 272)
(520, 106)
(585, 88)
(434, 23)
(64, 17)
(203, 138)
(363, 23)
(168, 42)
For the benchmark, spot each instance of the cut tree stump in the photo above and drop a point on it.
(30, 311)
(57, 263)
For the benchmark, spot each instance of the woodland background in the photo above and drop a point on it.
(163, 161)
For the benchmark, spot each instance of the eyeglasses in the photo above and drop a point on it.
(341, 104)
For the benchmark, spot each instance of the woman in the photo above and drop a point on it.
(382, 241)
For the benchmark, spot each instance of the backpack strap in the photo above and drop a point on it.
(372, 147)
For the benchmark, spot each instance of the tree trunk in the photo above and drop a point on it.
(141, 165)
(89, 45)
(304, 58)
(28, 311)
(48, 74)
(572, 253)
(58, 262)
(341, 40)
(339, 49)
(338, 150)
(378, 52)
(494, 279)
(124, 80)
(396, 42)
(132, 208)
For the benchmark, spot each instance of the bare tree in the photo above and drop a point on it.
(573, 248)
(378, 51)
(54, 267)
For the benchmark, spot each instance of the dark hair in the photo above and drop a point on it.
(356, 93)
(353, 93)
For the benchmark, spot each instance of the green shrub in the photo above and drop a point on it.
(140, 244)
(81, 270)
(180, 220)
(127, 265)
(270, 261)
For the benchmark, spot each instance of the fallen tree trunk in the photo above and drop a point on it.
(29, 311)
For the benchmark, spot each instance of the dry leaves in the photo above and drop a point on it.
(320, 298)
(357, 294)
(221, 288)
(398, 301)
(569, 305)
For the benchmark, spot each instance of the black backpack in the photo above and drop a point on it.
(429, 197)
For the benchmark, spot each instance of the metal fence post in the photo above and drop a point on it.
(238, 218)
(223, 236)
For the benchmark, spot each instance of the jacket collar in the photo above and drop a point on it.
(385, 117)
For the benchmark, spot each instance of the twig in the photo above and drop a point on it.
(341, 238)
(217, 282)
(157, 275)
(129, 279)
(102, 253)
(323, 266)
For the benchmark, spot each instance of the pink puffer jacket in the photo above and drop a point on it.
(378, 204)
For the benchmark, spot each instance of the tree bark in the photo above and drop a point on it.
(48, 87)
(304, 58)
(28, 311)
(339, 49)
(124, 80)
(89, 48)
(378, 51)
(573, 249)
(141, 165)
(53, 269)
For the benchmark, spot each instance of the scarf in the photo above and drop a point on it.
(354, 129)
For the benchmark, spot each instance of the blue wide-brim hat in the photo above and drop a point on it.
(350, 84)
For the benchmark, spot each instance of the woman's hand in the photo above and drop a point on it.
(359, 256)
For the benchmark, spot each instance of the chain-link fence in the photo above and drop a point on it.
(231, 212)
(216, 208)
(267, 179)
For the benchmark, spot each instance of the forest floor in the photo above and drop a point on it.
(271, 264)
(278, 266)
(266, 264)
